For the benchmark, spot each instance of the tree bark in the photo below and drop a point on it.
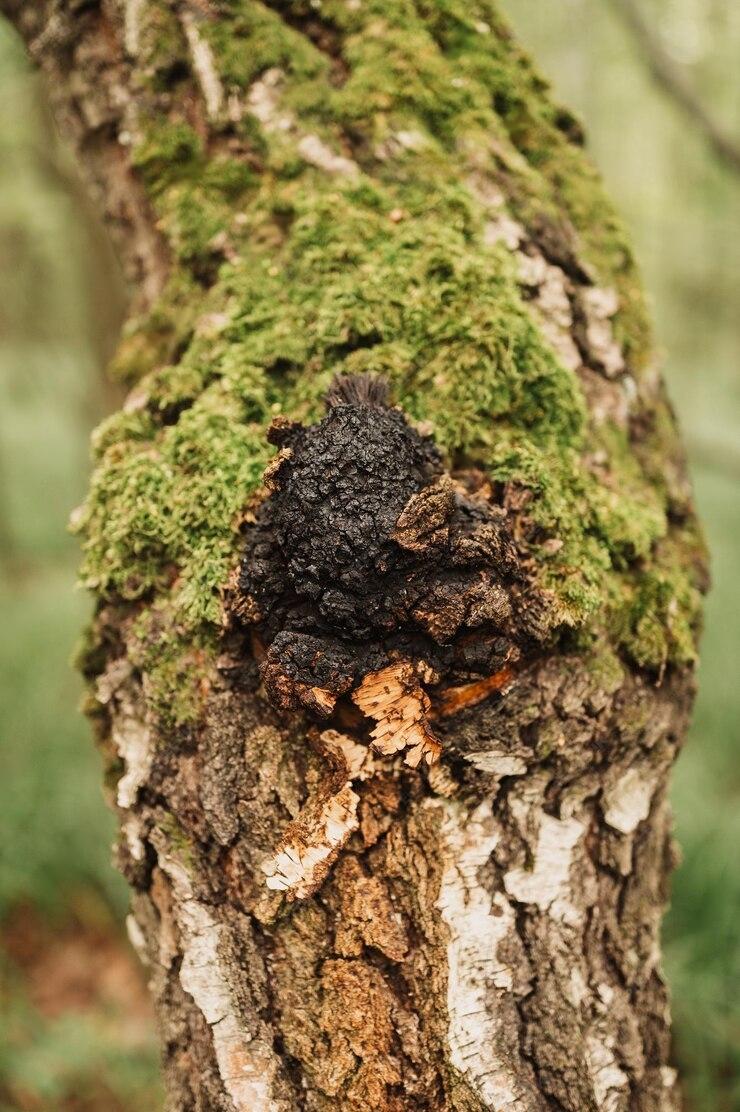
(332, 917)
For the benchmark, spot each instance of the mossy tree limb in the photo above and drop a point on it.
(364, 186)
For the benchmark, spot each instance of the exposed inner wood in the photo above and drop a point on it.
(401, 708)
(454, 699)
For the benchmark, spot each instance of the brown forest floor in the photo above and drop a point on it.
(78, 1025)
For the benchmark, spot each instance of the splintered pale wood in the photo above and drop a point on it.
(311, 844)
(395, 700)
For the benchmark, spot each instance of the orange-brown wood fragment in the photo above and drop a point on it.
(454, 699)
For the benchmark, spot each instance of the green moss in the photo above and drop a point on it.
(660, 623)
(178, 841)
(162, 43)
(168, 153)
(559, 182)
(293, 275)
(606, 670)
(228, 177)
(176, 660)
(398, 68)
(154, 340)
(162, 508)
(249, 39)
(193, 194)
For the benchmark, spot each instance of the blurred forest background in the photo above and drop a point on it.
(76, 1029)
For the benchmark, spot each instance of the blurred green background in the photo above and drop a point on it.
(76, 1029)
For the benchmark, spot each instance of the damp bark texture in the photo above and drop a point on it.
(388, 675)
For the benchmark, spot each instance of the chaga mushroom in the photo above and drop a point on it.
(370, 571)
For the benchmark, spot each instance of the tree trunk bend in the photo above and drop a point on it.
(389, 713)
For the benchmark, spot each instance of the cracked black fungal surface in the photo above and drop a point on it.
(366, 551)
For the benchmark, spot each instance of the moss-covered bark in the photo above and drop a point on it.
(301, 190)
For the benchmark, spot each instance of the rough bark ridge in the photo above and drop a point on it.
(389, 738)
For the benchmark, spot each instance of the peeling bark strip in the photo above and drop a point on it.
(482, 1020)
(204, 65)
(388, 720)
(247, 1065)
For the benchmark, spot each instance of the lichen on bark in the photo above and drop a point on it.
(302, 191)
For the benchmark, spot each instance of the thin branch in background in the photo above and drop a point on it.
(673, 82)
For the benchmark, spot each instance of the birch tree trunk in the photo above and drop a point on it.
(389, 731)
